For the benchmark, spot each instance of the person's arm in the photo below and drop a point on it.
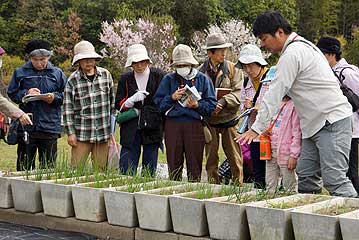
(163, 95)
(9, 109)
(286, 73)
(68, 109)
(207, 104)
(296, 142)
(58, 96)
(112, 95)
(121, 95)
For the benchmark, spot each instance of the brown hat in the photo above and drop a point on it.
(216, 40)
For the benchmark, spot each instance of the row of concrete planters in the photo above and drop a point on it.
(189, 214)
(307, 224)
(349, 223)
(122, 203)
(271, 219)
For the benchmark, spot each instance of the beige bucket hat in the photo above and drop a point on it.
(136, 53)
(83, 50)
(182, 55)
(250, 54)
(216, 40)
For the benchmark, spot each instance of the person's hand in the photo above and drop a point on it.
(6, 128)
(48, 98)
(292, 163)
(191, 103)
(72, 140)
(266, 133)
(178, 94)
(137, 97)
(34, 91)
(219, 108)
(248, 103)
(25, 119)
(246, 137)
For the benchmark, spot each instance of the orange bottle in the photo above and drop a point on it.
(264, 148)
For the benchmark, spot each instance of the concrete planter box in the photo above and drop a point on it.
(224, 213)
(271, 219)
(57, 197)
(189, 214)
(26, 195)
(6, 200)
(121, 201)
(349, 223)
(154, 204)
(309, 224)
(88, 198)
(88, 203)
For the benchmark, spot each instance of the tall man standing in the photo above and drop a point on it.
(223, 120)
(325, 114)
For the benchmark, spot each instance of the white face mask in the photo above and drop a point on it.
(183, 71)
(0, 62)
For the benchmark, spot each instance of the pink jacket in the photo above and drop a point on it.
(289, 135)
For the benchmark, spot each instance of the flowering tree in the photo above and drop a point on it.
(158, 38)
(234, 31)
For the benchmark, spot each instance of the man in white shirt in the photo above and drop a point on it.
(304, 74)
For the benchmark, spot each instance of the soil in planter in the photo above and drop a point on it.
(76, 180)
(170, 191)
(335, 210)
(297, 203)
(148, 185)
(244, 197)
(206, 192)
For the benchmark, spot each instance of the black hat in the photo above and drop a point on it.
(329, 45)
(37, 44)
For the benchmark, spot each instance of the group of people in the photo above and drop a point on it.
(301, 109)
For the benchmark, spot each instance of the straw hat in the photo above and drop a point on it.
(182, 55)
(136, 53)
(251, 54)
(83, 50)
(216, 40)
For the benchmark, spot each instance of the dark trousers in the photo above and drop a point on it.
(129, 157)
(184, 138)
(353, 164)
(259, 166)
(26, 153)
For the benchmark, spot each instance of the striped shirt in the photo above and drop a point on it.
(88, 105)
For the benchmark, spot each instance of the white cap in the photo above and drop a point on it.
(83, 50)
(136, 53)
(251, 54)
(182, 55)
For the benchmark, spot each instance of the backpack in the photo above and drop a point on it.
(353, 98)
(12, 134)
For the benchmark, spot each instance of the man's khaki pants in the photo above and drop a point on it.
(99, 154)
(231, 150)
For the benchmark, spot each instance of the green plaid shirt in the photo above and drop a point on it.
(88, 106)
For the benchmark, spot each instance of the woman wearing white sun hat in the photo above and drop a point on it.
(252, 93)
(135, 92)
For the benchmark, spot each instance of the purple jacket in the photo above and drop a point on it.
(352, 81)
(288, 134)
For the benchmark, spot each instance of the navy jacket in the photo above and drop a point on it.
(172, 109)
(128, 129)
(46, 117)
